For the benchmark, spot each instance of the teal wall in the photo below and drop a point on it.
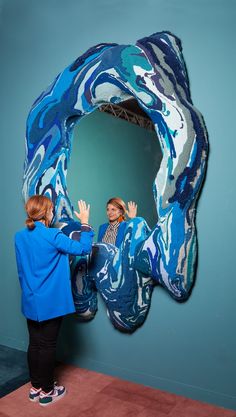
(185, 348)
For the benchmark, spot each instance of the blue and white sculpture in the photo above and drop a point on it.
(154, 73)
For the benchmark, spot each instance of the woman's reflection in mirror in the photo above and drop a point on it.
(113, 231)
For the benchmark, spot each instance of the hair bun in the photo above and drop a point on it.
(30, 223)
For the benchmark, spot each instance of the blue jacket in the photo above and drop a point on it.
(120, 234)
(44, 272)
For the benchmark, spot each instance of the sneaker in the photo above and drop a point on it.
(47, 398)
(34, 394)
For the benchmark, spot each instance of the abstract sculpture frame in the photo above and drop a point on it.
(153, 71)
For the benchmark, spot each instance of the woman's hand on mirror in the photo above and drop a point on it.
(83, 214)
(132, 209)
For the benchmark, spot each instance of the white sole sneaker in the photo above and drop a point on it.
(54, 398)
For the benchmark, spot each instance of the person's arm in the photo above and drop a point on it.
(18, 261)
(100, 234)
(132, 209)
(73, 247)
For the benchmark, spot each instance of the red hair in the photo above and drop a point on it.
(37, 208)
(120, 204)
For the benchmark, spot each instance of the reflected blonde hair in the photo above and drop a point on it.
(120, 204)
(37, 208)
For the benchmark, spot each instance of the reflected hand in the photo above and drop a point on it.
(83, 214)
(132, 209)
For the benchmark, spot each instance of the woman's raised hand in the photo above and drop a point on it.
(83, 214)
(132, 209)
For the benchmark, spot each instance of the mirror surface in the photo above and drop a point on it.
(111, 157)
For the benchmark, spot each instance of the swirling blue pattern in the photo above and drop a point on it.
(153, 71)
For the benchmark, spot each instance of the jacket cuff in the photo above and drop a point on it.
(86, 227)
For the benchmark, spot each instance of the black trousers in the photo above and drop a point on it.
(42, 352)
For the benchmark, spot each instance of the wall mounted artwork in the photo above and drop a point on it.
(153, 72)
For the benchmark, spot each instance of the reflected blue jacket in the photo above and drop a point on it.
(120, 234)
(44, 272)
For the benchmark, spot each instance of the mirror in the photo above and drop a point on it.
(112, 157)
(153, 72)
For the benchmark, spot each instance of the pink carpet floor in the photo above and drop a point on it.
(91, 394)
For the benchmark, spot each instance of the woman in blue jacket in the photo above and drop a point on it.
(114, 231)
(44, 274)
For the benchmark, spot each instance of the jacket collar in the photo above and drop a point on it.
(39, 224)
